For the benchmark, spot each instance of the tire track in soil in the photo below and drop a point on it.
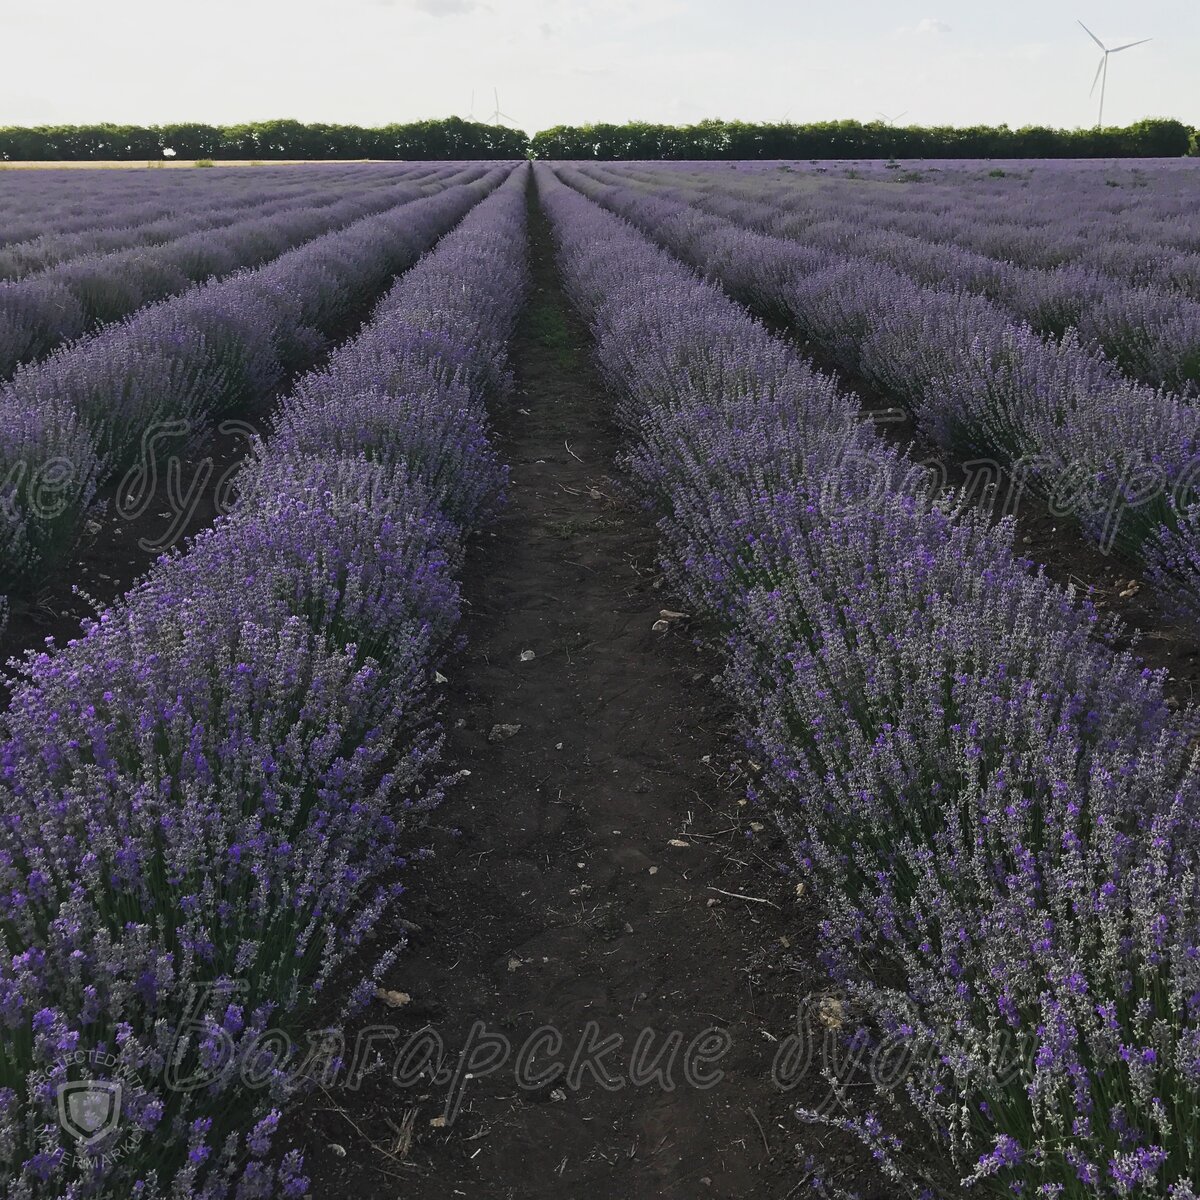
(562, 901)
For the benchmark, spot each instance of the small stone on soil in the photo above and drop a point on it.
(392, 999)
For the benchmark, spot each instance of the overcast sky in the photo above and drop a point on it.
(566, 61)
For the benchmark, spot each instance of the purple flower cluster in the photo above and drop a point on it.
(997, 812)
(82, 414)
(1120, 457)
(209, 797)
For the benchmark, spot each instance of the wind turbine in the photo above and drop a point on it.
(499, 116)
(471, 112)
(892, 120)
(1102, 69)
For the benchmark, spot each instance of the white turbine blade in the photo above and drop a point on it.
(1093, 37)
(1130, 45)
(903, 114)
(1099, 72)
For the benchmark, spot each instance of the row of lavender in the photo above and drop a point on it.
(85, 413)
(210, 796)
(1120, 458)
(998, 812)
(52, 202)
(190, 211)
(34, 204)
(57, 305)
(1043, 213)
(1151, 329)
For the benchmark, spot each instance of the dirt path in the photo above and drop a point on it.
(581, 893)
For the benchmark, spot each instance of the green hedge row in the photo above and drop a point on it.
(452, 138)
(852, 139)
(458, 139)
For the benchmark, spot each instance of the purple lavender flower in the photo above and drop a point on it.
(219, 780)
(997, 810)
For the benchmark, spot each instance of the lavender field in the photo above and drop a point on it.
(752, 604)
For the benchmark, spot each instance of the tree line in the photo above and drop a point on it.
(451, 138)
(454, 138)
(853, 139)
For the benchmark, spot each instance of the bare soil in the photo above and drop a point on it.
(598, 873)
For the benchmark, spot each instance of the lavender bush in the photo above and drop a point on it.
(48, 473)
(998, 811)
(210, 796)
